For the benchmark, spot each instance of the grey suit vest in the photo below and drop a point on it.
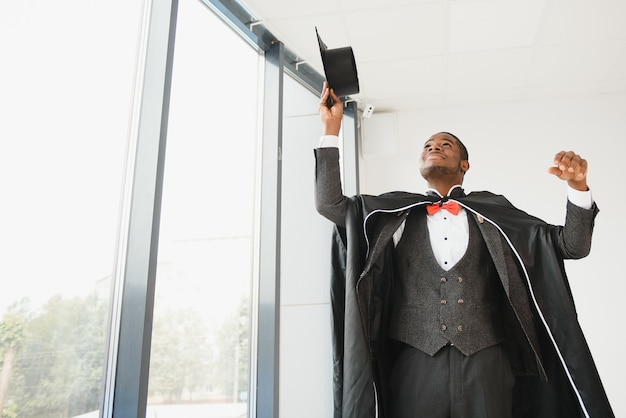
(433, 307)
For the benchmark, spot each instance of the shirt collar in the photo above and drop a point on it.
(433, 192)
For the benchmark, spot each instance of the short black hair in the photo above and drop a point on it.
(464, 153)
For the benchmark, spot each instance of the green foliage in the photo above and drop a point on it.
(180, 353)
(189, 358)
(58, 368)
(231, 366)
(12, 325)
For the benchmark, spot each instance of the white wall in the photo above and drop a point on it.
(511, 147)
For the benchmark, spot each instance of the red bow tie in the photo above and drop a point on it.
(451, 207)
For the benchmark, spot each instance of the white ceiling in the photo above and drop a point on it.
(425, 53)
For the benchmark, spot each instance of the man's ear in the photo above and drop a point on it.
(465, 165)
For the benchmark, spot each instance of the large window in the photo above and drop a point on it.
(66, 80)
(201, 333)
(81, 198)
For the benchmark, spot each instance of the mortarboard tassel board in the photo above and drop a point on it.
(339, 69)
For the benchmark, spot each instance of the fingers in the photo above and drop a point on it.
(331, 113)
(329, 99)
(327, 93)
(324, 96)
(570, 166)
(333, 95)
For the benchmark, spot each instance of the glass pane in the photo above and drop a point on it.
(66, 80)
(305, 295)
(199, 358)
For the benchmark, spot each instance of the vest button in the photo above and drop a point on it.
(459, 279)
(460, 328)
(443, 327)
(443, 302)
(461, 301)
(443, 280)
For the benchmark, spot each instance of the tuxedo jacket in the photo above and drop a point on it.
(555, 372)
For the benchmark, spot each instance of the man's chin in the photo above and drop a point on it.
(433, 171)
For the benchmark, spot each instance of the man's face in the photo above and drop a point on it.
(441, 155)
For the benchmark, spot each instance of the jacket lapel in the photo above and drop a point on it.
(382, 228)
(513, 284)
(495, 245)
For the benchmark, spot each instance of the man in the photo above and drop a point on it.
(455, 305)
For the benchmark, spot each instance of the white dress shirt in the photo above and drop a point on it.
(449, 234)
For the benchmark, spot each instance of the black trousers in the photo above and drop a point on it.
(452, 385)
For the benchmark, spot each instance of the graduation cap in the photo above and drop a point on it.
(339, 68)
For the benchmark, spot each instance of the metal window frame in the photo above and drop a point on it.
(266, 377)
(130, 333)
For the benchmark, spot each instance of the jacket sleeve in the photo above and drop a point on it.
(329, 199)
(574, 238)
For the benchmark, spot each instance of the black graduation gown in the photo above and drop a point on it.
(556, 375)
